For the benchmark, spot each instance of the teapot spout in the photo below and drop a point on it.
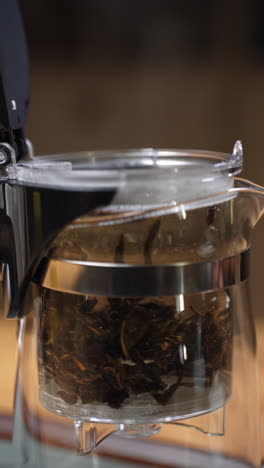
(252, 197)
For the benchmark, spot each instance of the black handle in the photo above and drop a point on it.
(14, 77)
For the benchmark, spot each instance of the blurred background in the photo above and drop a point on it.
(169, 73)
(145, 73)
(151, 73)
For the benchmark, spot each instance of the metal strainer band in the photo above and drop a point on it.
(108, 279)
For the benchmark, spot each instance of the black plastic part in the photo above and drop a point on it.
(7, 250)
(47, 211)
(14, 77)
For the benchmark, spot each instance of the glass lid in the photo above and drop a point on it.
(143, 176)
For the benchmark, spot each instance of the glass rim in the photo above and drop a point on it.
(110, 167)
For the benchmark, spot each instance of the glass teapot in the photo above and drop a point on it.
(127, 272)
(127, 275)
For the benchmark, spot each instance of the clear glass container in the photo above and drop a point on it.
(136, 335)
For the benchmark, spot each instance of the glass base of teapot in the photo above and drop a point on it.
(138, 430)
(89, 435)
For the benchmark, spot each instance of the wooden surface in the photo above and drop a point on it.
(260, 335)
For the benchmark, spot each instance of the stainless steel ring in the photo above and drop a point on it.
(108, 279)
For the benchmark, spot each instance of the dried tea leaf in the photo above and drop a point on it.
(119, 250)
(88, 305)
(163, 397)
(149, 241)
(70, 398)
(131, 346)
